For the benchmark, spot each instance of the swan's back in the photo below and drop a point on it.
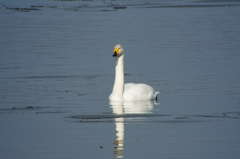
(138, 91)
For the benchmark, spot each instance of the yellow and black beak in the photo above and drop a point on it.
(116, 52)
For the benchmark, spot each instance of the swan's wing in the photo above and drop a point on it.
(138, 91)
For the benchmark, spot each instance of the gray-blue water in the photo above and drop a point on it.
(57, 71)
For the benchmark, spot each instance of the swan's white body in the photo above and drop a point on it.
(129, 91)
(135, 92)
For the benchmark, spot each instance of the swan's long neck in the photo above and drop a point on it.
(118, 86)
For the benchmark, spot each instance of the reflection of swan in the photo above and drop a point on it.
(120, 108)
(129, 91)
(133, 107)
(119, 129)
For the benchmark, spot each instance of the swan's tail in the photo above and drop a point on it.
(155, 96)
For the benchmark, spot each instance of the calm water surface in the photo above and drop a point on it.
(56, 72)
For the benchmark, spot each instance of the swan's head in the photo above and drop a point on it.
(118, 50)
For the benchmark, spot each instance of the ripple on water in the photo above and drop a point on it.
(86, 77)
(33, 109)
(161, 118)
(103, 6)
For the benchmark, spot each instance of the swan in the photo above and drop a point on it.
(128, 91)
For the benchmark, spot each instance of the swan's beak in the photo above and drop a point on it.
(116, 52)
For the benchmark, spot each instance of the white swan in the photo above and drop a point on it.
(128, 91)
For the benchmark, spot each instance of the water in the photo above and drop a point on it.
(56, 72)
